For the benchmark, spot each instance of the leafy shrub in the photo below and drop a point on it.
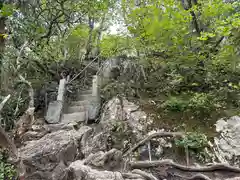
(7, 171)
(175, 104)
(202, 103)
(194, 141)
(14, 107)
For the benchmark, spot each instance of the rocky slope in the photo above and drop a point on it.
(111, 149)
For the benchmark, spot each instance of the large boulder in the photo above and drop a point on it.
(121, 110)
(228, 141)
(122, 123)
(47, 157)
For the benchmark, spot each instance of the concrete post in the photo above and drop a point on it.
(61, 89)
(55, 108)
(95, 86)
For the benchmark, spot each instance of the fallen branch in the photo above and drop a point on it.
(149, 137)
(168, 162)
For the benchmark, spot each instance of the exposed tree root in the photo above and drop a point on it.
(146, 175)
(131, 176)
(149, 137)
(197, 176)
(168, 162)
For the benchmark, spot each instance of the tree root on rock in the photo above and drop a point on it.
(144, 174)
(131, 176)
(149, 137)
(194, 177)
(168, 162)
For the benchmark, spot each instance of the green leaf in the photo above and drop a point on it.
(7, 10)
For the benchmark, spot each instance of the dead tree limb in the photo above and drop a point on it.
(169, 162)
(149, 137)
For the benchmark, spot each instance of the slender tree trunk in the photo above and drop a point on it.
(2, 32)
(3, 84)
(89, 42)
(99, 36)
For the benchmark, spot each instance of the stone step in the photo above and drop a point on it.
(86, 92)
(89, 97)
(73, 117)
(73, 109)
(80, 103)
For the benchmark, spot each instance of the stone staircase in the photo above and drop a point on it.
(81, 109)
(85, 107)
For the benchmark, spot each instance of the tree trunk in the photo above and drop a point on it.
(89, 42)
(2, 32)
(4, 78)
(99, 34)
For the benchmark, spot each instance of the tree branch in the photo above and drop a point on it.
(4, 102)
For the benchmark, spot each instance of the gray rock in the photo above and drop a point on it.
(93, 110)
(42, 157)
(125, 111)
(54, 112)
(78, 171)
(228, 142)
(110, 160)
(94, 143)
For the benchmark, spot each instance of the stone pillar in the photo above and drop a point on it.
(95, 86)
(61, 90)
(55, 108)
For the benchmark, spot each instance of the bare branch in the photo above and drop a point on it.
(4, 102)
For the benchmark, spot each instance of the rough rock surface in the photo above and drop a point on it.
(228, 141)
(44, 156)
(120, 109)
(54, 112)
(93, 109)
(122, 122)
(78, 171)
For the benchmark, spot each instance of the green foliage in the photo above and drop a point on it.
(198, 103)
(193, 141)
(202, 103)
(15, 107)
(175, 104)
(7, 171)
(6, 10)
(113, 45)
